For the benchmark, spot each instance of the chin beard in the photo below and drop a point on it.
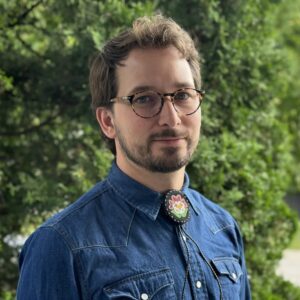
(169, 160)
(168, 163)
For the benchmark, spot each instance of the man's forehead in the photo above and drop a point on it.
(142, 53)
(159, 69)
(147, 87)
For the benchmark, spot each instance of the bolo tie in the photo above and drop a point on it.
(177, 207)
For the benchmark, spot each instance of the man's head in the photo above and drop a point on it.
(158, 55)
(146, 32)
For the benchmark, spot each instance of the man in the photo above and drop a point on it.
(142, 233)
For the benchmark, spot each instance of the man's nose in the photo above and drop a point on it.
(169, 115)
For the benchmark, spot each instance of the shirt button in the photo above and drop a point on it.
(234, 276)
(144, 296)
(198, 284)
(184, 237)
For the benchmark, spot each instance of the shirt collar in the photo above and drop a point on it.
(139, 196)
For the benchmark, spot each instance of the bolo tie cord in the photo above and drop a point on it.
(176, 207)
(182, 231)
(187, 262)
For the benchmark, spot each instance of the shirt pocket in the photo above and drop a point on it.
(229, 272)
(157, 284)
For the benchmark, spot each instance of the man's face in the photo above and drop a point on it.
(165, 142)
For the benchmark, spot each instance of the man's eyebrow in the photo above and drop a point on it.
(182, 85)
(142, 88)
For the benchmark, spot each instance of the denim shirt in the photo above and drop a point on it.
(115, 243)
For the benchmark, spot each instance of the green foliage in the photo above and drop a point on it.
(287, 36)
(282, 289)
(295, 244)
(249, 151)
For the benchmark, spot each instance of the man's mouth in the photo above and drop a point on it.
(169, 141)
(165, 138)
(168, 138)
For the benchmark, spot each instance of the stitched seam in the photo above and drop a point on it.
(59, 219)
(222, 228)
(127, 200)
(107, 246)
(159, 289)
(129, 228)
(226, 259)
(227, 273)
(97, 246)
(76, 259)
(138, 276)
(116, 190)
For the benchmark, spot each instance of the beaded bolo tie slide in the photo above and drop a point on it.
(176, 206)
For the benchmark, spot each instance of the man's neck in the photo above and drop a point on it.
(157, 181)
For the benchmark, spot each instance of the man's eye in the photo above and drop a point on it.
(182, 96)
(144, 99)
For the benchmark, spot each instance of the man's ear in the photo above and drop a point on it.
(105, 119)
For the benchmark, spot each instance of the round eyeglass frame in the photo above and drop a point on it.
(162, 96)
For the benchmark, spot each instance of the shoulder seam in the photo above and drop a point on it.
(59, 219)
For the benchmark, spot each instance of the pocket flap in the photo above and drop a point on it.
(228, 266)
(133, 287)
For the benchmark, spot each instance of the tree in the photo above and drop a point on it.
(287, 35)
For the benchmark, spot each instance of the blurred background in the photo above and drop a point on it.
(249, 155)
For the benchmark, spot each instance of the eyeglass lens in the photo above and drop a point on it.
(149, 103)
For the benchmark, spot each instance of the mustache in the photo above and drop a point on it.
(167, 133)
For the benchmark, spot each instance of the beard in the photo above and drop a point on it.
(169, 160)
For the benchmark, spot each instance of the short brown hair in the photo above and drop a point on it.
(146, 32)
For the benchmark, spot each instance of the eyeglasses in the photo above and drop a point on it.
(148, 104)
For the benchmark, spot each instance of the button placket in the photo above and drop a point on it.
(195, 273)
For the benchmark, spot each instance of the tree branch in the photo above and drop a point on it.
(23, 15)
(27, 46)
(32, 128)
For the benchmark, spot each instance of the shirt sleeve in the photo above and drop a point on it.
(245, 285)
(245, 291)
(47, 268)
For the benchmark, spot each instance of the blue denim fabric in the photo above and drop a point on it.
(115, 243)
